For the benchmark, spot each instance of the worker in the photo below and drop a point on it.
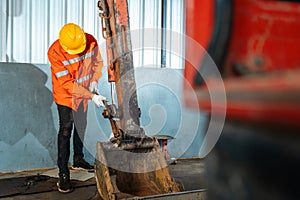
(76, 67)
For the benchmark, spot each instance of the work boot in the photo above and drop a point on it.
(82, 164)
(64, 184)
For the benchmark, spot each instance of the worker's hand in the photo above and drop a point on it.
(98, 100)
(93, 88)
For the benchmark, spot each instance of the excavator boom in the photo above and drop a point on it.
(131, 163)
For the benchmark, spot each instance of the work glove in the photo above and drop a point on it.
(98, 100)
(93, 88)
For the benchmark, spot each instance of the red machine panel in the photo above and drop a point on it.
(257, 53)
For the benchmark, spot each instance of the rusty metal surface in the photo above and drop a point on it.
(189, 195)
(164, 137)
(140, 172)
(122, 60)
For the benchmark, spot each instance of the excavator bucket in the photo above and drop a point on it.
(131, 164)
(121, 174)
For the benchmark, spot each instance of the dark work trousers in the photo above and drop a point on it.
(67, 119)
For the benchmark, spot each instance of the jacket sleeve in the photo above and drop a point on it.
(97, 65)
(65, 78)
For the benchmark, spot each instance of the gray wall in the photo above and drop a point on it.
(29, 121)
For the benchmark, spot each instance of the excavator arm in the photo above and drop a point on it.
(115, 30)
(131, 164)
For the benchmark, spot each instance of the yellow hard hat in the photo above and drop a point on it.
(72, 38)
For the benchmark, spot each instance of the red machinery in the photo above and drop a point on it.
(256, 45)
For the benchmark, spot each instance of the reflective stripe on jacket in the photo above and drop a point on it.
(72, 74)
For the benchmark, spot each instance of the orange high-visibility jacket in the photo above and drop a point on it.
(72, 74)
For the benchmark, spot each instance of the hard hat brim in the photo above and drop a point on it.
(76, 51)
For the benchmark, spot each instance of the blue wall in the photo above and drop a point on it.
(29, 121)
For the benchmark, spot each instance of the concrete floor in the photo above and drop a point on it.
(190, 173)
